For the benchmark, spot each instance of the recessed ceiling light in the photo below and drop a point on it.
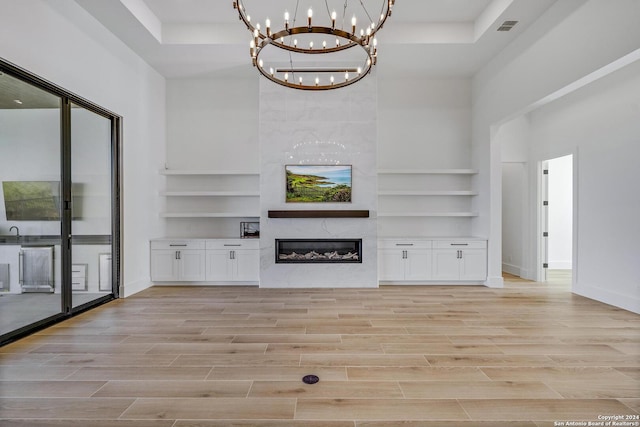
(17, 101)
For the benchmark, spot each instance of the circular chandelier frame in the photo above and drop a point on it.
(366, 41)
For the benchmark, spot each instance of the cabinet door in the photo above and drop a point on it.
(164, 265)
(417, 264)
(247, 265)
(390, 264)
(446, 264)
(192, 265)
(218, 265)
(473, 264)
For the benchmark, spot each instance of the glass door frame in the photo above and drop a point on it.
(68, 98)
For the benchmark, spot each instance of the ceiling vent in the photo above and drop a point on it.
(507, 25)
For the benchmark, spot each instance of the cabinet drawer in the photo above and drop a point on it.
(231, 244)
(78, 271)
(177, 244)
(459, 244)
(404, 244)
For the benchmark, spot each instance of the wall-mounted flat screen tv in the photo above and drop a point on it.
(318, 183)
(32, 200)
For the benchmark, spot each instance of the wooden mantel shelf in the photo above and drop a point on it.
(319, 214)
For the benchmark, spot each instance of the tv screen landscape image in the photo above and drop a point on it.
(318, 183)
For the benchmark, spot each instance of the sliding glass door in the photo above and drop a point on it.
(90, 205)
(30, 204)
(59, 203)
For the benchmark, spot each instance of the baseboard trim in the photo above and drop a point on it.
(132, 288)
(626, 302)
(494, 282)
(511, 269)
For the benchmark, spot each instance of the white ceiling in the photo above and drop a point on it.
(187, 38)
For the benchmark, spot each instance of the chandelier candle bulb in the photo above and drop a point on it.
(332, 79)
(267, 24)
(309, 16)
(334, 15)
(317, 81)
(353, 24)
(286, 20)
(324, 44)
(310, 45)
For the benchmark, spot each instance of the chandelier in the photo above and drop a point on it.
(317, 47)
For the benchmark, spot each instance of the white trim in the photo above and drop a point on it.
(624, 301)
(494, 282)
(131, 288)
(511, 269)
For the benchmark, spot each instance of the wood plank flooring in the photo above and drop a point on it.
(528, 355)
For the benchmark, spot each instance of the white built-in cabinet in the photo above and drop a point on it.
(211, 194)
(404, 260)
(177, 260)
(234, 260)
(459, 260)
(432, 260)
(199, 260)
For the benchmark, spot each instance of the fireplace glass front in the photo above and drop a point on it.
(313, 251)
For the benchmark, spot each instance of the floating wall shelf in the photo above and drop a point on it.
(320, 214)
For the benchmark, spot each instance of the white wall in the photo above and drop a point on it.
(600, 124)
(560, 212)
(513, 210)
(60, 42)
(212, 124)
(513, 138)
(571, 44)
(424, 123)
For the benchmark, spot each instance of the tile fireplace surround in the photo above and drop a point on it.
(318, 128)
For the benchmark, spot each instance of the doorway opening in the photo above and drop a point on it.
(556, 221)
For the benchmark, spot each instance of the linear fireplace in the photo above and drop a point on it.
(314, 251)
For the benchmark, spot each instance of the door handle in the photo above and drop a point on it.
(20, 267)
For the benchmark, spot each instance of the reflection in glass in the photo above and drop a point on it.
(91, 205)
(30, 273)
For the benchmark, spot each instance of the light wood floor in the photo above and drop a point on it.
(433, 356)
